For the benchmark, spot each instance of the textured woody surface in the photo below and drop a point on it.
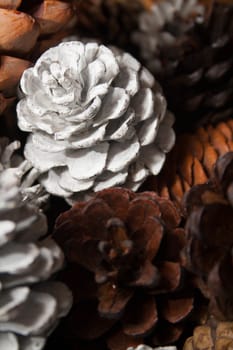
(218, 337)
(161, 26)
(209, 230)
(97, 119)
(196, 71)
(123, 251)
(30, 304)
(192, 159)
(27, 29)
(111, 21)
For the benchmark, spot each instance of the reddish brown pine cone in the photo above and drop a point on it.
(111, 21)
(124, 268)
(214, 337)
(191, 160)
(197, 73)
(209, 227)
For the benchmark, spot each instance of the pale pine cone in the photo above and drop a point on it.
(28, 312)
(97, 119)
(215, 337)
(161, 26)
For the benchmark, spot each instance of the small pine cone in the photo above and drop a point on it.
(209, 227)
(30, 304)
(192, 159)
(124, 268)
(218, 337)
(111, 21)
(195, 68)
(97, 119)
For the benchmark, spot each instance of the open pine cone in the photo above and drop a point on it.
(196, 68)
(110, 21)
(27, 29)
(192, 159)
(160, 27)
(123, 252)
(30, 304)
(218, 337)
(209, 226)
(97, 119)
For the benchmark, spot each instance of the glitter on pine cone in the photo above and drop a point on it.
(209, 230)
(215, 337)
(191, 160)
(196, 69)
(124, 269)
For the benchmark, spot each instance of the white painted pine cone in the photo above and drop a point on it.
(162, 25)
(30, 305)
(97, 119)
(146, 347)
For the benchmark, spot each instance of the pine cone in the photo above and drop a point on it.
(191, 160)
(30, 305)
(27, 28)
(111, 21)
(219, 337)
(145, 347)
(195, 71)
(209, 251)
(161, 25)
(123, 252)
(94, 118)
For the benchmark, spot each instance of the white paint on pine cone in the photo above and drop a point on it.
(7, 231)
(8, 341)
(31, 343)
(162, 25)
(10, 299)
(27, 313)
(146, 347)
(36, 316)
(92, 112)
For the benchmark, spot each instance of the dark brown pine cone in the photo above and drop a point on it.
(124, 268)
(191, 160)
(197, 72)
(209, 227)
(111, 21)
(211, 337)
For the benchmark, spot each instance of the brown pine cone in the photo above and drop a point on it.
(27, 28)
(218, 337)
(197, 71)
(124, 268)
(209, 227)
(191, 160)
(111, 21)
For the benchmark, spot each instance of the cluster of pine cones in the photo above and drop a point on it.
(116, 200)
